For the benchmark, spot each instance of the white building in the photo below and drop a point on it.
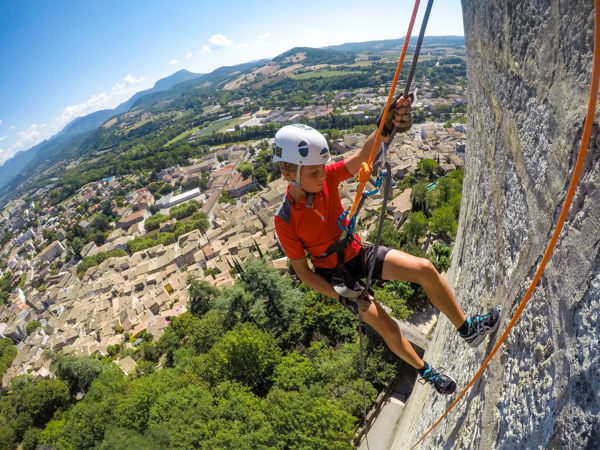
(170, 200)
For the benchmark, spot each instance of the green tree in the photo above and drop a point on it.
(117, 438)
(304, 421)
(202, 296)
(86, 422)
(440, 256)
(245, 168)
(41, 399)
(8, 439)
(245, 354)
(189, 331)
(182, 416)
(416, 226)
(443, 221)
(398, 305)
(153, 222)
(229, 416)
(428, 168)
(294, 372)
(31, 439)
(32, 326)
(421, 198)
(262, 296)
(100, 222)
(133, 409)
(323, 317)
(78, 372)
(7, 354)
(390, 236)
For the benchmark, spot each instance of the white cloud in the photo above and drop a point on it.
(37, 133)
(5, 155)
(244, 45)
(28, 138)
(205, 49)
(174, 61)
(94, 103)
(264, 36)
(127, 84)
(0, 121)
(2, 138)
(220, 40)
(188, 56)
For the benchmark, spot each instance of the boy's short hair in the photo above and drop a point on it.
(288, 167)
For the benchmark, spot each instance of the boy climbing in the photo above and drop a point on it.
(307, 222)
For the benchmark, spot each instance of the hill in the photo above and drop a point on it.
(154, 117)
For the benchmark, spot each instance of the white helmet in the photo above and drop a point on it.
(300, 144)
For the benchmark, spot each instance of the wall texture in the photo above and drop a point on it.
(529, 68)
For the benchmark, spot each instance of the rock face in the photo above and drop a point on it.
(529, 70)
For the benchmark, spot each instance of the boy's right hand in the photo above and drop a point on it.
(399, 116)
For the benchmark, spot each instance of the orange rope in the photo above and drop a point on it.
(365, 169)
(587, 131)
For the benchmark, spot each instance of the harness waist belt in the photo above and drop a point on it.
(338, 246)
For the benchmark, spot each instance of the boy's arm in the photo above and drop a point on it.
(401, 118)
(311, 279)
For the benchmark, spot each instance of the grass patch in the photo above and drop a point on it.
(221, 126)
(137, 125)
(182, 136)
(110, 123)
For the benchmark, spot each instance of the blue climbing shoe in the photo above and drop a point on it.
(479, 326)
(442, 383)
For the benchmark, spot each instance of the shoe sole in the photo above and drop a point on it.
(453, 390)
(479, 339)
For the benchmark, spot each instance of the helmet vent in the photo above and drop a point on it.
(302, 144)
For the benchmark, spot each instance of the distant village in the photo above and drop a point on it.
(119, 299)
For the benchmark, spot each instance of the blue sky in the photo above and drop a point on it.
(64, 59)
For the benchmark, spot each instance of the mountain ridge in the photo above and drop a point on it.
(25, 163)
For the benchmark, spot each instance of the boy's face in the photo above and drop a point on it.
(312, 178)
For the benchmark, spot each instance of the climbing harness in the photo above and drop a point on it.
(585, 140)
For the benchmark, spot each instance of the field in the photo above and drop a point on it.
(181, 136)
(321, 74)
(221, 126)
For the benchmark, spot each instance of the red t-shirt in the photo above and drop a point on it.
(301, 229)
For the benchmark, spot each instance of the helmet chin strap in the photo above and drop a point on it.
(297, 182)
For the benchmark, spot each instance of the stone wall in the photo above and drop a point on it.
(529, 68)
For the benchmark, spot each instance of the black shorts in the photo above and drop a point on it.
(358, 267)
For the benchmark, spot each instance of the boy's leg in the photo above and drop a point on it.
(376, 316)
(388, 329)
(402, 266)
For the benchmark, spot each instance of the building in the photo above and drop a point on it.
(29, 234)
(49, 253)
(354, 139)
(170, 200)
(142, 198)
(133, 218)
(239, 186)
(400, 207)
